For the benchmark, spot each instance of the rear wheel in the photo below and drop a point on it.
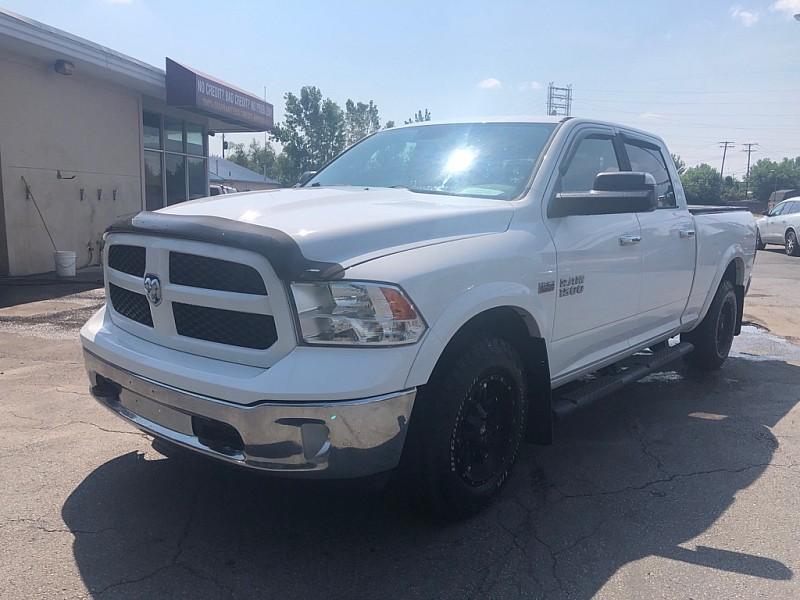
(466, 429)
(712, 339)
(792, 245)
(760, 245)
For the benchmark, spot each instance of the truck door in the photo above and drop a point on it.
(668, 244)
(598, 262)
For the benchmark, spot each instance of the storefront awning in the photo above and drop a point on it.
(197, 92)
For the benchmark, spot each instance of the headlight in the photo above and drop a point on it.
(356, 313)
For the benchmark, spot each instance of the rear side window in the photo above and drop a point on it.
(649, 159)
(794, 208)
(594, 154)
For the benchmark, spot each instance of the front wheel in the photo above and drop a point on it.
(712, 339)
(792, 245)
(466, 429)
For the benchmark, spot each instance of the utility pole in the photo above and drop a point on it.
(749, 149)
(559, 100)
(724, 146)
(224, 145)
(265, 138)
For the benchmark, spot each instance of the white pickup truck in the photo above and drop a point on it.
(427, 300)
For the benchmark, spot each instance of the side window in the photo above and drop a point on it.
(778, 210)
(594, 154)
(794, 208)
(646, 158)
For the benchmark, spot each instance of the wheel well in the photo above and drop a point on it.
(519, 329)
(735, 274)
(788, 229)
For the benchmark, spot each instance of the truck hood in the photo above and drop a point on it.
(348, 225)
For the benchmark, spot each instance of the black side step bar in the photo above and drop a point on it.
(626, 371)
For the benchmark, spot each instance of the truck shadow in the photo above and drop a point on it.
(638, 476)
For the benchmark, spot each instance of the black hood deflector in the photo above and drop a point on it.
(277, 247)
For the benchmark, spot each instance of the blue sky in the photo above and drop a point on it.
(694, 72)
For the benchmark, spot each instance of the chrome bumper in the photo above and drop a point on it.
(333, 439)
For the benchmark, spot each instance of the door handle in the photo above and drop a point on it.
(629, 240)
(686, 233)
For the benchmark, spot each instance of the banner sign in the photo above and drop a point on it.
(196, 91)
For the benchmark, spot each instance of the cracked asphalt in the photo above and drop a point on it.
(676, 487)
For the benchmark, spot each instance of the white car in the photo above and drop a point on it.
(781, 226)
(421, 302)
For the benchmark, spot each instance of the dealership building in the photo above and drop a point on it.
(89, 136)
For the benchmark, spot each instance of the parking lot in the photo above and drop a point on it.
(676, 487)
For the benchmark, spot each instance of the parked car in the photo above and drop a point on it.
(429, 299)
(781, 225)
(779, 196)
(215, 189)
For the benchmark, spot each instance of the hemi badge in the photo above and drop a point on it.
(546, 286)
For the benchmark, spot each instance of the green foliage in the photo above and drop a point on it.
(360, 120)
(256, 157)
(701, 184)
(680, 165)
(313, 132)
(419, 117)
(768, 175)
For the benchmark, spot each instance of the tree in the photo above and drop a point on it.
(258, 158)
(767, 175)
(680, 165)
(419, 117)
(389, 125)
(360, 120)
(701, 184)
(237, 154)
(261, 159)
(313, 132)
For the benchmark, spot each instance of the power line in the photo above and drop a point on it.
(699, 92)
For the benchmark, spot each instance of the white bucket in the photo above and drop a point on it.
(65, 263)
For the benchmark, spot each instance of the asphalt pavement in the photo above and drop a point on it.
(676, 487)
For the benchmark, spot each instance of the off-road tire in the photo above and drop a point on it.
(477, 396)
(712, 339)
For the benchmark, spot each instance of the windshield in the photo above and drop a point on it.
(487, 160)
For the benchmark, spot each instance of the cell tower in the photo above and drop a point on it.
(559, 100)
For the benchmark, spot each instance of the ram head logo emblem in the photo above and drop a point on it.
(152, 285)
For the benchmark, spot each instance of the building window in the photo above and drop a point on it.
(197, 177)
(153, 180)
(175, 160)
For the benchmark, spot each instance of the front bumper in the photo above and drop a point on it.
(338, 439)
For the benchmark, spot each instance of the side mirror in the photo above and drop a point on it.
(612, 193)
(305, 177)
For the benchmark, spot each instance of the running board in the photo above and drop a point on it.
(624, 372)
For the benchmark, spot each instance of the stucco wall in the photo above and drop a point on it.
(81, 126)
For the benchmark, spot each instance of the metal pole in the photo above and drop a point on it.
(265, 138)
(749, 150)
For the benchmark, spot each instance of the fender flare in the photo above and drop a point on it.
(466, 306)
(733, 255)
